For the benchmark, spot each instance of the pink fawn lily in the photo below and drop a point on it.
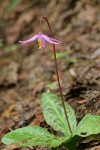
(41, 40)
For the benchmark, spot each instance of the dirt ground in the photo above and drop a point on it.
(26, 71)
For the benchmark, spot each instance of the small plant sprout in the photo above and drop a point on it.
(58, 114)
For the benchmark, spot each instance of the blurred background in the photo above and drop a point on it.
(26, 72)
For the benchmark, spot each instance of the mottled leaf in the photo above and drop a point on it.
(53, 113)
(89, 125)
(23, 134)
(49, 141)
(32, 136)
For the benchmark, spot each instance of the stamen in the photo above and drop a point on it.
(40, 45)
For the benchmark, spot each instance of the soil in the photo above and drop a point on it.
(25, 71)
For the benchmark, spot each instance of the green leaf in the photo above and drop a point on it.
(52, 86)
(53, 113)
(89, 125)
(1, 43)
(23, 133)
(72, 143)
(11, 48)
(60, 55)
(73, 60)
(12, 4)
(91, 138)
(32, 136)
(49, 141)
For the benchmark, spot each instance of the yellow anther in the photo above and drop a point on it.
(40, 44)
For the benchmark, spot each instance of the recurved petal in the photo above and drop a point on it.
(29, 40)
(43, 42)
(51, 40)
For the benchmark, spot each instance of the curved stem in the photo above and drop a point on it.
(57, 73)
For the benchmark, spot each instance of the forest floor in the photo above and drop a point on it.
(26, 72)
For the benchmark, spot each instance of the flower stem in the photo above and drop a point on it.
(57, 73)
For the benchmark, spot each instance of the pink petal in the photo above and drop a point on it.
(29, 40)
(51, 40)
(43, 42)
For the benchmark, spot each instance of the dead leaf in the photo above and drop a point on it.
(38, 119)
(81, 101)
(11, 147)
(9, 111)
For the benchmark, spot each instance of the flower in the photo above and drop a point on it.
(41, 40)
